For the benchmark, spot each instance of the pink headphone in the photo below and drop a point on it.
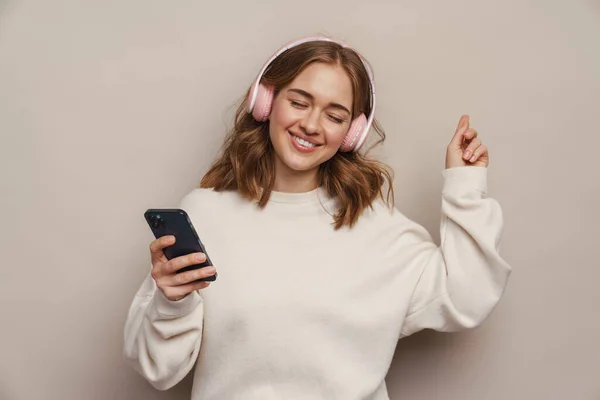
(260, 98)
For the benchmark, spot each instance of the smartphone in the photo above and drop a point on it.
(176, 222)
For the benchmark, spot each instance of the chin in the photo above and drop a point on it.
(299, 164)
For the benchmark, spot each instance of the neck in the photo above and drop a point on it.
(288, 180)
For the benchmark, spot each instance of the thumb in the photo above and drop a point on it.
(461, 129)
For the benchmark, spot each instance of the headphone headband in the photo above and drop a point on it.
(254, 90)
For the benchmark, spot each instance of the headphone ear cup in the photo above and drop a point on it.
(264, 101)
(355, 134)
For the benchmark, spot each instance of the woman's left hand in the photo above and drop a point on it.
(466, 148)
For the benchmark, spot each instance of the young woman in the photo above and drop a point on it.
(319, 275)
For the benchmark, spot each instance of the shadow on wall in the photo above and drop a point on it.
(429, 358)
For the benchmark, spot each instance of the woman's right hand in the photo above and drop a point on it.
(176, 286)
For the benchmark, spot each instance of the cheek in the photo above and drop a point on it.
(279, 116)
(275, 123)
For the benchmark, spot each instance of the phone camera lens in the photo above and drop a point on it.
(156, 221)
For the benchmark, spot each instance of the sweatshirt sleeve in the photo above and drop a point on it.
(462, 280)
(162, 337)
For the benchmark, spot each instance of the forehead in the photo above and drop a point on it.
(327, 83)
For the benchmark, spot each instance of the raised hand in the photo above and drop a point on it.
(465, 148)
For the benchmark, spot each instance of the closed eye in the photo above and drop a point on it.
(298, 105)
(336, 119)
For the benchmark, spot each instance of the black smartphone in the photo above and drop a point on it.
(176, 222)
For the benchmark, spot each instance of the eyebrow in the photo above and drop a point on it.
(310, 96)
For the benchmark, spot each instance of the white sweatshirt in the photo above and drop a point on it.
(301, 311)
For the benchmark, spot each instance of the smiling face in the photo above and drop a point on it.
(308, 121)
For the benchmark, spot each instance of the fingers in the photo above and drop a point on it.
(464, 121)
(175, 293)
(157, 246)
(178, 285)
(480, 151)
(166, 274)
(184, 261)
(463, 126)
(469, 152)
(171, 267)
(472, 143)
(470, 134)
(190, 276)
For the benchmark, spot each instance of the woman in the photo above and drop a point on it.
(319, 275)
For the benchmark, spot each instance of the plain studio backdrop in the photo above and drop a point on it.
(108, 108)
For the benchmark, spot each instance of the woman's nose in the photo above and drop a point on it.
(310, 122)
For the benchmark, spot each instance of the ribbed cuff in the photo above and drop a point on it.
(459, 180)
(168, 308)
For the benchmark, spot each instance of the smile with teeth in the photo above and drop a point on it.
(303, 142)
